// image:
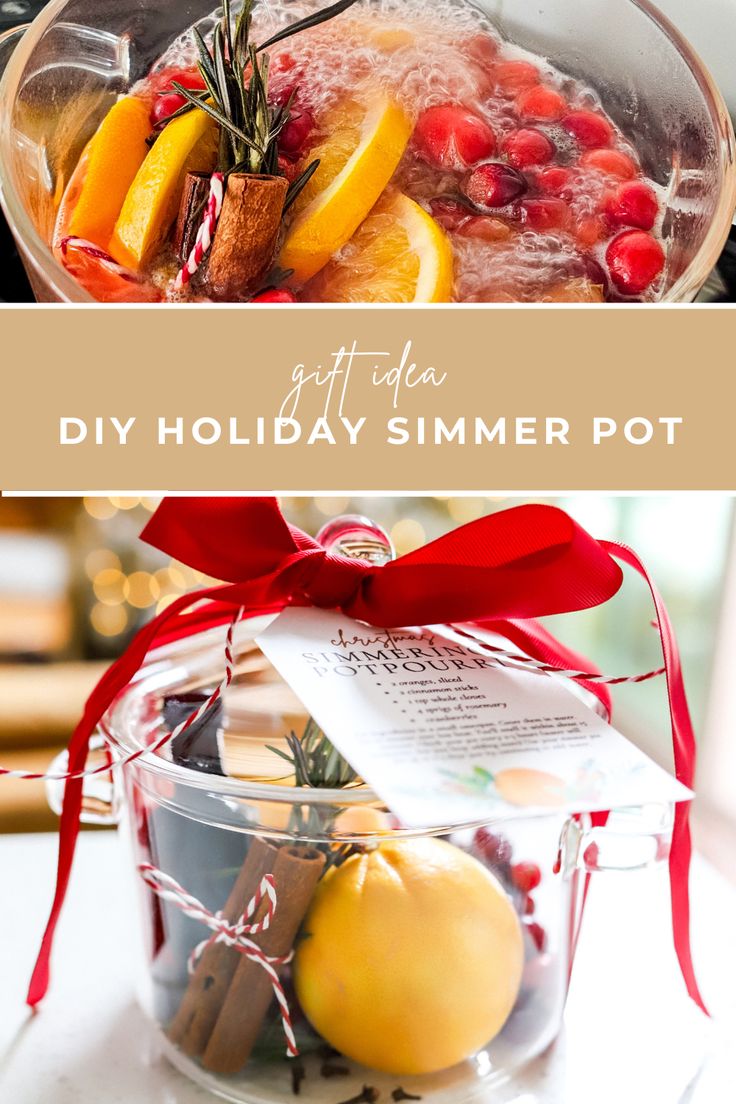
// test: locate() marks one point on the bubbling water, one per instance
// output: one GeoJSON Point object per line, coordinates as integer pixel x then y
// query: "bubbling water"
{"type": "Point", "coordinates": [427, 54]}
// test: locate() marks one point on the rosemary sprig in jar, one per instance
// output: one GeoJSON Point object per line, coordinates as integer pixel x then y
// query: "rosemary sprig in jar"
{"type": "Point", "coordinates": [317, 764]}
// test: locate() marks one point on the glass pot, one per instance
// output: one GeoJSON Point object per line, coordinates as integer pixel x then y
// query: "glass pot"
{"type": "Point", "coordinates": [78, 55]}
{"type": "Point", "coordinates": [441, 976]}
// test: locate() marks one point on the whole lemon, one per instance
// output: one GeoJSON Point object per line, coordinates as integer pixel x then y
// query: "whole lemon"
{"type": "Point", "coordinates": [411, 958]}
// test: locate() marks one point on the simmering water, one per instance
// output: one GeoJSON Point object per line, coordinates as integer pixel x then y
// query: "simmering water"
{"type": "Point", "coordinates": [429, 53]}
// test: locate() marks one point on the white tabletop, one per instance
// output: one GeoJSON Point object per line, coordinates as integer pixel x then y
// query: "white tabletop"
{"type": "Point", "coordinates": [630, 1033]}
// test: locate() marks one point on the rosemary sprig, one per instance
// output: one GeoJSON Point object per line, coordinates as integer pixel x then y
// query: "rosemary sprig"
{"type": "Point", "coordinates": [316, 761]}
{"type": "Point", "coordinates": [317, 764]}
{"type": "Point", "coordinates": [235, 72]}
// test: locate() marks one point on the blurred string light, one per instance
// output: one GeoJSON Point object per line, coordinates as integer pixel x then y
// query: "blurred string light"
{"type": "Point", "coordinates": [101, 559]}
{"type": "Point", "coordinates": [141, 590]}
{"type": "Point", "coordinates": [406, 535]}
{"type": "Point", "coordinates": [331, 505]}
{"type": "Point", "coordinates": [108, 620]}
{"type": "Point", "coordinates": [109, 586]}
{"type": "Point", "coordinates": [101, 509]}
{"type": "Point", "coordinates": [462, 509]}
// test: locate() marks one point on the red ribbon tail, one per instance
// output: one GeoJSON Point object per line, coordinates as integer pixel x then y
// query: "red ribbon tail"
{"type": "Point", "coordinates": [680, 855]}
{"type": "Point", "coordinates": [683, 741]}
{"type": "Point", "coordinates": [68, 833]}
{"type": "Point", "coordinates": [115, 679]}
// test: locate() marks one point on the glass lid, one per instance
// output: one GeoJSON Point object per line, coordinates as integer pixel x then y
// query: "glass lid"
{"type": "Point", "coordinates": [259, 734]}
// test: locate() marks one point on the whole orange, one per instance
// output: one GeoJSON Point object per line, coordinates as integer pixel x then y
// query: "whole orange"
{"type": "Point", "coordinates": [411, 958]}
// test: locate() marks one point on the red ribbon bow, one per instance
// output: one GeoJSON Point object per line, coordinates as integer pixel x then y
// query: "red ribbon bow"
{"type": "Point", "coordinates": [500, 571]}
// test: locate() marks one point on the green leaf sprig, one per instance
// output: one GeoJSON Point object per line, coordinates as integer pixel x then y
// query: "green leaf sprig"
{"type": "Point", "coordinates": [316, 761]}
{"type": "Point", "coordinates": [235, 72]}
{"type": "Point", "coordinates": [317, 764]}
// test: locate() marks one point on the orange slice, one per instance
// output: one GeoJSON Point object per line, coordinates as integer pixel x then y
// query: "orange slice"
{"type": "Point", "coordinates": [398, 255]}
{"type": "Point", "coordinates": [357, 160]}
{"type": "Point", "coordinates": [188, 144]}
{"type": "Point", "coordinates": [116, 153]}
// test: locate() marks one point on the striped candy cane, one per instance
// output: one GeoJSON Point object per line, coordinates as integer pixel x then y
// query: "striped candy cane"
{"type": "Point", "coordinates": [66, 776]}
{"type": "Point", "coordinates": [92, 250]}
{"type": "Point", "coordinates": [235, 935]}
{"type": "Point", "coordinates": [206, 231]}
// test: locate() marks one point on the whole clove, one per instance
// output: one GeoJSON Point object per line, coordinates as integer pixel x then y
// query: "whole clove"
{"type": "Point", "coordinates": [298, 1073]}
{"type": "Point", "coordinates": [367, 1095]}
{"type": "Point", "coordinates": [401, 1094]}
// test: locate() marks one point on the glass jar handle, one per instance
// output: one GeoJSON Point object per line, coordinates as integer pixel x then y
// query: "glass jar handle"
{"type": "Point", "coordinates": [99, 799]}
{"type": "Point", "coordinates": [632, 839]}
{"type": "Point", "coordinates": [8, 41]}
{"type": "Point", "coordinates": [358, 538]}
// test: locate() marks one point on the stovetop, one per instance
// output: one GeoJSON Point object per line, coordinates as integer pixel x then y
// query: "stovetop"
{"type": "Point", "coordinates": [14, 286]}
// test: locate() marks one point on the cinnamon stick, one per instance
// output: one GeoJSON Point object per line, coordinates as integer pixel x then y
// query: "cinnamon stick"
{"type": "Point", "coordinates": [191, 211]}
{"type": "Point", "coordinates": [296, 873]}
{"type": "Point", "coordinates": [246, 237]}
{"type": "Point", "coordinates": [192, 1025]}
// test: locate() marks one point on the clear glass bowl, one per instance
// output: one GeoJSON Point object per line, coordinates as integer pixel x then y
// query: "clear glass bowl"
{"type": "Point", "coordinates": [203, 829]}
{"type": "Point", "coordinates": [78, 55]}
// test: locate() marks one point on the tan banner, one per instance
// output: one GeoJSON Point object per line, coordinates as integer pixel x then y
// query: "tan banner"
{"type": "Point", "coordinates": [367, 399]}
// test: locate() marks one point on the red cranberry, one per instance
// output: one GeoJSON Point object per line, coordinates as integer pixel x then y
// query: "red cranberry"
{"type": "Point", "coordinates": [554, 181]}
{"type": "Point", "coordinates": [529, 906]}
{"type": "Point", "coordinates": [635, 260]}
{"type": "Point", "coordinates": [545, 214]}
{"type": "Point", "coordinates": [512, 76]}
{"type": "Point", "coordinates": [525, 148]}
{"type": "Point", "coordinates": [279, 93]}
{"type": "Point", "coordinates": [164, 106]}
{"type": "Point", "coordinates": [541, 103]}
{"type": "Point", "coordinates": [495, 848]}
{"type": "Point", "coordinates": [633, 203]}
{"type": "Point", "coordinates": [296, 132]}
{"type": "Point", "coordinates": [538, 934]}
{"type": "Point", "coordinates": [610, 161]}
{"type": "Point", "coordinates": [187, 78]}
{"type": "Point", "coordinates": [453, 137]}
{"type": "Point", "coordinates": [526, 876]}
{"type": "Point", "coordinates": [494, 185]}
{"type": "Point", "coordinates": [588, 128]}
{"type": "Point", "coordinates": [275, 295]}
{"type": "Point", "coordinates": [485, 839]}
{"type": "Point", "coordinates": [448, 212]}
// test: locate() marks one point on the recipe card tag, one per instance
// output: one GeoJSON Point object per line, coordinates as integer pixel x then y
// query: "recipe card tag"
{"type": "Point", "coordinates": [443, 734]}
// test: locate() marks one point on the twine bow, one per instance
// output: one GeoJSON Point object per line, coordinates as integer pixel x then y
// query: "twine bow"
{"type": "Point", "coordinates": [498, 573]}
{"type": "Point", "coordinates": [236, 934]}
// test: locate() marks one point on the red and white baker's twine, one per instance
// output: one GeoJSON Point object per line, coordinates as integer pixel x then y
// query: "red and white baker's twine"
{"type": "Point", "coordinates": [235, 934]}
{"type": "Point", "coordinates": [469, 640]}
{"type": "Point", "coordinates": [506, 658]}
{"type": "Point", "coordinates": [206, 231]}
{"type": "Point", "coordinates": [92, 250]}
{"type": "Point", "coordinates": [67, 776]}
